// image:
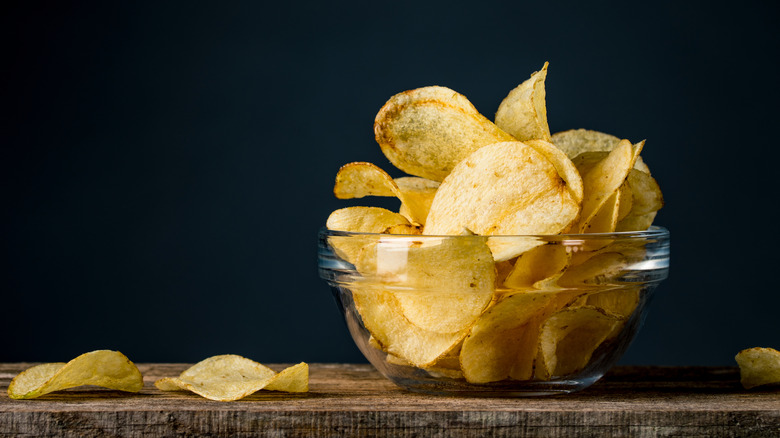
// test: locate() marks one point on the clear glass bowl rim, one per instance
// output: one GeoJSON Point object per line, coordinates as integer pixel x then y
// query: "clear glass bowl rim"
{"type": "Point", "coordinates": [654, 232]}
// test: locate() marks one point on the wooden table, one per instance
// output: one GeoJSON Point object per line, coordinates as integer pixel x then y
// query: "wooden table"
{"type": "Point", "coordinates": [354, 400]}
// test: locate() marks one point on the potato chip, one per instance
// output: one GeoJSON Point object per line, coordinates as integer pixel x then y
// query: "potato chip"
{"type": "Point", "coordinates": [503, 188]}
{"type": "Point", "coordinates": [442, 284]}
{"type": "Point", "coordinates": [416, 197]}
{"type": "Point", "coordinates": [758, 366]}
{"type": "Point", "coordinates": [383, 318]}
{"type": "Point", "coordinates": [427, 131]}
{"type": "Point", "coordinates": [621, 302]}
{"type": "Point", "coordinates": [538, 267]}
{"type": "Point", "coordinates": [230, 377]}
{"type": "Point", "coordinates": [599, 269]}
{"type": "Point", "coordinates": [405, 229]}
{"type": "Point", "coordinates": [360, 179]}
{"type": "Point", "coordinates": [565, 167]}
{"type": "Point", "coordinates": [577, 141]}
{"type": "Point", "coordinates": [503, 342]}
{"type": "Point", "coordinates": [359, 220]}
{"type": "Point", "coordinates": [568, 339]}
{"type": "Point", "coordinates": [106, 368]}
{"type": "Point", "coordinates": [523, 113]}
{"type": "Point", "coordinates": [605, 178]}
{"type": "Point", "coordinates": [495, 342]}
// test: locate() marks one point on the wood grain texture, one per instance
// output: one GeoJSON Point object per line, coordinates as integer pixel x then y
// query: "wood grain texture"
{"type": "Point", "coordinates": [354, 400]}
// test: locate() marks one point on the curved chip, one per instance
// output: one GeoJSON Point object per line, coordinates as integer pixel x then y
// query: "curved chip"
{"type": "Point", "coordinates": [523, 113]}
{"type": "Point", "coordinates": [605, 178]}
{"type": "Point", "coordinates": [383, 318]}
{"type": "Point", "coordinates": [503, 342]}
{"type": "Point", "coordinates": [565, 167]}
{"type": "Point", "coordinates": [569, 337]}
{"type": "Point", "coordinates": [230, 377]}
{"type": "Point", "coordinates": [758, 366]}
{"type": "Point", "coordinates": [105, 368]}
{"type": "Point", "coordinates": [359, 220]}
{"type": "Point", "coordinates": [577, 141]}
{"type": "Point", "coordinates": [427, 131]}
{"type": "Point", "coordinates": [505, 188]}
{"type": "Point", "coordinates": [538, 267]}
{"type": "Point", "coordinates": [440, 284]}
{"type": "Point", "coordinates": [360, 179]}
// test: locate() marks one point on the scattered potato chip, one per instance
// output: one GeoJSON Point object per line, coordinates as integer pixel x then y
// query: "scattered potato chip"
{"type": "Point", "coordinates": [503, 188]}
{"type": "Point", "coordinates": [758, 366]}
{"type": "Point", "coordinates": [577, 141]}
{"type": "Point", "coordinates": [568, 339]}
{"type": "Point", "coordinates": [427, 131]}
{"type": "Point", "coordinates": [106, 368]}
{"type": "Point", "coordinates": [523, 113]}
{"type": "Point", "coordinates": [230, 377]}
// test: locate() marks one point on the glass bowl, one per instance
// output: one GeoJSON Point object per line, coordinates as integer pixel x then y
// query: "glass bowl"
{"type": "Point", "coordinates": [436, 314]}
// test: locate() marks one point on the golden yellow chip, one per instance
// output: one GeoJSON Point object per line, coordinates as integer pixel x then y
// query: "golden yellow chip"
{"type": "Point", "coordinates": [360, 179]}
{"type": "Point", "coordinates": [504, 340]}
{"type": "Point", "coordinates": [359, 220]}
{"type": "Point", "coordinates": [230, 377]}
{"type": "Point", "coordinates": [538, 268]}
{"type": "Point", "coordinates": [759, 366]}
{"type": "Point", "coordinates": [621, 302]}
{"type": "Point", "coordinates": [503, 188]}
{"type": "Point", "coordinates": [569, 337]}
{"type": "Point", "coordinates": [405, 229]}
{"type": "Point", "coordinates": [605, 178]}
{"type": "Point", "coordinates": [577, 141]}
{"type": "Point", "coordinates": [565, 167]}
{"type": "Point", "coordinates": [440, 284]}
{"type": "Point", "coordinates": [599, 269]}
{"type": "Point", "coordinates": [383, 318]}
{"type": "Point", "coordinates": [106, 368]}
{"type": "Point", "coordinates": [427, 131]}
{"type": "Point", "coordinates": [523, 113]}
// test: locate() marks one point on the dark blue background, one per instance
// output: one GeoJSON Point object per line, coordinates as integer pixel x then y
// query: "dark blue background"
{"type": "Point", "coordinates": [166, 167]}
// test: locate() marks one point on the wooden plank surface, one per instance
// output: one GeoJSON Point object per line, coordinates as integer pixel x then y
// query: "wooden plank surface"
{"type": "Point", "coordinates": [354, 400]}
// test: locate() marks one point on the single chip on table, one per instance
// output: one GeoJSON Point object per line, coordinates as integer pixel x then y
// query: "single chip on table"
{"type": "Point", "coordinates": [427, 131]}
{"type": "Point", "coordinates": [105, 368]}
{"type": "Point", "coordinates": [758, 366]}
{"type": "Point", "coordinates": [523, 113]}
{"type": "Point", "coordinates": [505, 188]}
{"type": "Point", "coordinates": [569, 337]}
{"type": "Point", "coordinates": [230, 377]}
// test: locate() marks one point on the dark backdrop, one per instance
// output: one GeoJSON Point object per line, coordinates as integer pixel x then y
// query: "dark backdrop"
{"type": "Point", "coordinates": [166, 166]}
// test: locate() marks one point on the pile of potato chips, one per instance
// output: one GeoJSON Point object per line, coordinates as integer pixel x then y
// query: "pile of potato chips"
{"type": "Point", "coordinates": [495, 302]}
